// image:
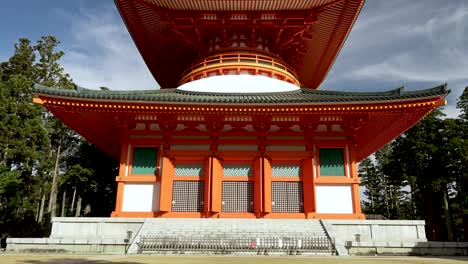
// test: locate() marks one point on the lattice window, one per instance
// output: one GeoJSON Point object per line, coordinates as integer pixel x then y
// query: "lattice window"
{"type": "Point", "coordinates": [189, 170]}
{"type": "Point", "coordinates": [238, 169]}
{"type": "Point", "coordinates": [237, 196]}
{"type": "Point", "coordinates": [287, 197]}
{"type": "Point", "coordinates": [187, 196]}
{"type": "Point", "coordinates": [331, 162]}
{"type": "Point", "coordinates": [286, 170]}
{"type": "Point", "coordinates": [144, 160]}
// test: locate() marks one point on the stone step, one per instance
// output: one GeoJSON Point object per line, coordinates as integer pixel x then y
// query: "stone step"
{"type": "Point", "coordinates": [233, 229]}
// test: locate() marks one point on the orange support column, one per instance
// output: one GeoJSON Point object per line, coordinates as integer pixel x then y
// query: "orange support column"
{"type": "Point", "coordinates": [216, 184]}
{"type": "Point", "coordinates": [308, 185]}
{"type": "Point", "coordinates": [356, 198]}
{"type": "Point", "coordinates": [124, 150]}
{"type": "Point", "coordinates": [355, 185]}
{"type": "Point", "coordinates": [258, 186]}
{"type": "Point", "coordinates": [167, 177]}
{"type": "Point", "coordinates": [266, 185]}
{"type": "Point", "coordinates": [207, 179]}
{"type": "Point", "coordinates": [119, 200]}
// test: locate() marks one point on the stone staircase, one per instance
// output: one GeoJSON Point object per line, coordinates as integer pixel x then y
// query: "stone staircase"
{"type": "Point", "coordinates": [261, 236]}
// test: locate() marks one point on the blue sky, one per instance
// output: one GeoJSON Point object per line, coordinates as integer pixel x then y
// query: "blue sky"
{"type": "Point", "coordinates": [417, 44]}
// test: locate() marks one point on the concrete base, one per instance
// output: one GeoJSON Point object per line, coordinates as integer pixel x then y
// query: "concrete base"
{"type": "Point", "coordinates": [82, 235]}
{"type": "Point", "coordinates": [374, 231]}
{"type": "Point", "coordinates": [52, 245]}
{"type": "Point", "coordinates": [397, 248]}
{"type": "Point", "coordinates": [353, 237]}
{"type": "Point", "coordinates": [95, 227]}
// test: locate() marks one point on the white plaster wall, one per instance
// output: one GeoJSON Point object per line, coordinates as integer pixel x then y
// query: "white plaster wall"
{"type": "Point", "coordinates": [238, 84]}
{"type": "Point", "coordinates": [334, 199]}
{"type": "Point", "coordinates": [141, 198]}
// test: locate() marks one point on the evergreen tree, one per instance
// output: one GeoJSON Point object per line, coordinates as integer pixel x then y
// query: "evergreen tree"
{"type": "Point", "coordinates": [39, 155]}
{"type": "Point", "coordinates": [23, 139]}
{"type": "Point", "coordinates": [422, 154]}
{"type": "Point", "coordinates": [370, 180]}
{"type": "Point", "coordinates": [458, 145]}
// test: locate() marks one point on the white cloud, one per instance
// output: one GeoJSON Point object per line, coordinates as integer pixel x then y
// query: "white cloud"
{"type": "Point", "coordinates": [410, 43]}
{"type": "Point", "coordinates": [452, 65]}
{"type": "Point", "coordinates": [102, 53]}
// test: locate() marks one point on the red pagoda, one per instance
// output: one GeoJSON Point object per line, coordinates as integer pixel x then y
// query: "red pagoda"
{"type": "Point", "coordinates": [239, 128]}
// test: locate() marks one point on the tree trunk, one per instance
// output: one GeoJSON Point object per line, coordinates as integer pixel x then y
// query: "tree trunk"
{"type": "Point", "coordinates": [41, 211]}
{"type": "Point", "coordinates": [38, 208]}
{"type": "Point", "coordinates": [396, 201]}
{"type": "Point", "coordinates": [78, 207]}
{"type": "Point", "coordinates": [427, 201]}
{"type": "Point", "coordinates": [64, 198]}
{"type": "Point", "coordinates": [413, 204]}
{"type": "Point", "coordinates": [461, 207]}
{"type": "Point", "coordinates": [53, 191]}
{"type": "Point", "coordinates": [73, 200]}
{"type": "Point", "coordinates": [448, 223]}
{"type": "Point", "coordinates": [387, 207]}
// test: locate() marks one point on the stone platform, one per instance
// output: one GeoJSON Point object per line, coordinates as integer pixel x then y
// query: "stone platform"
{"type": "Point", "coordinates": [122, 235]}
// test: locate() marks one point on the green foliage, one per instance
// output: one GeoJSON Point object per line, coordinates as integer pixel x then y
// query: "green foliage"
{"type": "Point", "coordinates": [462, 104]}
{"type": "Point", "coordinates": [93, 175]}
{"type": "Point", "coordinates": [370, 180]}
{"type": "Point", "coordinates": [423, 174]}
{"type": "Point", "coordinates": [10, 181]}
{"type": "Point", "coordinates": [30, 140]}
{"type": "Point", "coordinates": [385, 194]}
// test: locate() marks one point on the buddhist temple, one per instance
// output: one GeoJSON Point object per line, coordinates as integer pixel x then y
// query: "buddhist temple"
{"type": "Point", "coordinates": [239, 127]}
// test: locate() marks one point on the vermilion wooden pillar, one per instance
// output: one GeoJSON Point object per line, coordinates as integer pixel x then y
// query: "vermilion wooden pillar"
{"type": "Point", "coordinates": [207, 177]}
{"type": "Point", "coordinates": [258, 186]}
{"type": "Point", "coordinates": [308, 186]}
{"type": "Point", "coordinates": [266, 185]}
{"type": "Point", "coordinates": [122, 175]}
{"type": "Point", "coordinates": [216, 184]}
{"type": "Point", "coordinates": [355, 185]}
{"type": "Point", "coordinates": [167, 177]}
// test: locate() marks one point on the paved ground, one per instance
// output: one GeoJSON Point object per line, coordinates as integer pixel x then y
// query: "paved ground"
{"type": "Point", "coordinates": [119, 259]}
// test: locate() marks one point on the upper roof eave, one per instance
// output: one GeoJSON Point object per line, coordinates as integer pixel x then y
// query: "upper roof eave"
{"type": "Point", "coordinates": [166, 56]}
{"type": "Point", "coordinates": [235, 5]}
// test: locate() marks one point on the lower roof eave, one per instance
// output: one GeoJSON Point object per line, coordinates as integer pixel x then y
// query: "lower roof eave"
{"type": "Point", "coordinates": [102, 120]}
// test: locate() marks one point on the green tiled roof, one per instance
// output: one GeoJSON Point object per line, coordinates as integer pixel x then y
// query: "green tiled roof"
{"type": "Point", "coordinates": [293, 97]}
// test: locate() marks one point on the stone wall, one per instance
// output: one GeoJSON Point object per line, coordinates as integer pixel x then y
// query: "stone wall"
{"type": "Point", "coordinates": [398, 231]}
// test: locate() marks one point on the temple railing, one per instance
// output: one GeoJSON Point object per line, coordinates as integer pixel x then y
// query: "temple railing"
{"type": "Point", "coordinates": [225, 245]}
{"type": "Point", "coordinates": [239, 63]}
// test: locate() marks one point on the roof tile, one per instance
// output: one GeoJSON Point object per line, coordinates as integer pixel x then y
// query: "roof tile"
{"type": "Point", "coordinates": [300, 96]}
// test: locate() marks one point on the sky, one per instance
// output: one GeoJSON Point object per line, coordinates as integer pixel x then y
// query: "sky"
{"type": "Point", "coordinates": [417, 44]}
